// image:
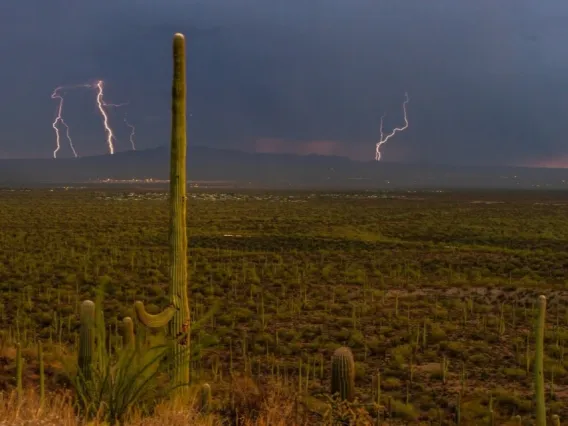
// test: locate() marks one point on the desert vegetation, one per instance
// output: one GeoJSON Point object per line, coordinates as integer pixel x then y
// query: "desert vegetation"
{"type": "Point", "coordinates": [299, 308]}
{"type": "Point", "coordinates": [438, 295]}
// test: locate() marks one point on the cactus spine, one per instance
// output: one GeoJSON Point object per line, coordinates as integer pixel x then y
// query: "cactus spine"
{"type": "Point", "coordinates": [539, 363]}
{"type": "Point", "coordinates": [177, 314]}
{"type": "Point", "coordinates": [343, 374]}
{"type": "Point", "coordinates": [87, 339]}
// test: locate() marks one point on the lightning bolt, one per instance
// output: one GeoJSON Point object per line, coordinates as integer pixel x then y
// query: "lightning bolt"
{"type": "Point", "coordinates": [101, 104]}
{"type": "Point", "coordinates": [59, 119]}
{"type": "Point", "coordinates": [384, 139]}
{"type": "Point", "coordinates": [132, 132]}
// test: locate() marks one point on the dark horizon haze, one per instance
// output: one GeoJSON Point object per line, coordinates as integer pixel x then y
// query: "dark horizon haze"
{"type": "Point", "coordinates": [487, 80]}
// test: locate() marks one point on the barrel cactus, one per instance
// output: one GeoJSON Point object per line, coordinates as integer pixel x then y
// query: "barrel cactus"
{"type": "Point", "coordinates": [343, 374]}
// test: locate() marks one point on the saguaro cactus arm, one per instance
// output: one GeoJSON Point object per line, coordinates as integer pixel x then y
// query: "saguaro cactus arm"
{"type": "Point", "coordinates": [154, 321]}
{"type": "Point", "coordinates": [128, 331]}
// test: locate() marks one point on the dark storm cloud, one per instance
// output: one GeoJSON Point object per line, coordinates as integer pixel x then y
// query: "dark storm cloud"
{"type": "Point", "coordinates": [486, 79]}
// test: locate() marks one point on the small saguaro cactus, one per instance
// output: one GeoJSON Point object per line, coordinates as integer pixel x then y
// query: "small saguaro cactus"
{"type": "Point", "coordinates": [343, 374]}
{"type": "Point", "coordinates": [128, 332]}
{"type": "Point", "coordinates": [539, 362]}
{"type": "Point", "coordinates": [86, 339]}
{"type": "Point", "coordinates": [205, 398]}
{"type": "Point", "coordinates": [41, 373]}
{"type": "Point", "coordinates": [555, 420]}
{"type": "Point", "coordinates": [19, 371]}
{"type": "Point", "coordinates": [177, 315]}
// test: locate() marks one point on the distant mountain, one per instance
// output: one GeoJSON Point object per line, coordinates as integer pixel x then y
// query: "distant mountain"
{"type": "Point", "coordinates": [275, 170]}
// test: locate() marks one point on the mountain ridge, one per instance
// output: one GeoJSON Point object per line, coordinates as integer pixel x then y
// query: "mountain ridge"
{"type": "Point", "coordinates": [272, 169]}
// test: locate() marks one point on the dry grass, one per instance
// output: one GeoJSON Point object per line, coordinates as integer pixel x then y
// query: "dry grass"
{"type": "Point", "coordinates": [268, 408]}
{"type": "Point", "coordinates": [57, 410]}
{"type": "Point", "coordinates": [253, 403]}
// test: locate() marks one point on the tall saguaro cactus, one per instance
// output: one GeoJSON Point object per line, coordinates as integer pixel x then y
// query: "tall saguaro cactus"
{"type": "Point", "coordinates": [539, 363]}
{"type": "Point", "coordinates": [177, 315]}
{"type": "Point", "coordinates": [87, 340]}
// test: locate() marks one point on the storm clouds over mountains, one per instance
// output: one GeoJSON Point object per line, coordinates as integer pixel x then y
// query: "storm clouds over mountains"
{"type": "Point", "coordinates": [486, 79]}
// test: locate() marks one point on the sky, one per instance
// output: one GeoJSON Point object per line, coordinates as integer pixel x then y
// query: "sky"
{"type": "Point", "coordinates": [487, 80]}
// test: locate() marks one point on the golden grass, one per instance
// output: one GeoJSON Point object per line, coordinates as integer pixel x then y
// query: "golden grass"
{"type": "Point", "coordinates": [255, 404]}
{"type": "Point", "coordinates": [274, 409]}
